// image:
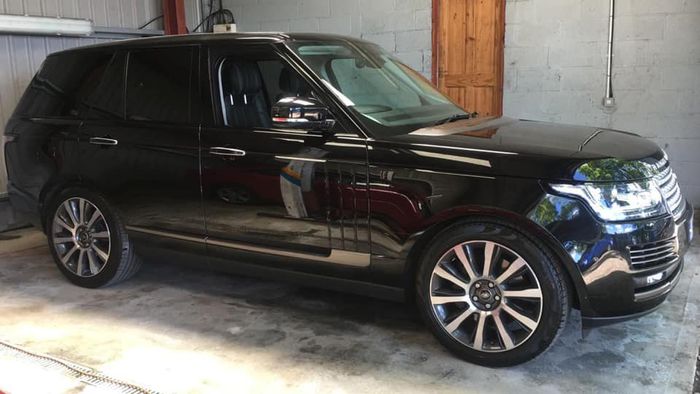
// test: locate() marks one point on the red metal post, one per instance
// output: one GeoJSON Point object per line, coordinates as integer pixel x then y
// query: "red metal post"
{"type": "Point", "coordinates": [174, 17]}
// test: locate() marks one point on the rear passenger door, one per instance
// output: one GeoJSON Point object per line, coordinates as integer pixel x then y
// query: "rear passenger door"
{"type": "Point", "coordinates": [140, 142]}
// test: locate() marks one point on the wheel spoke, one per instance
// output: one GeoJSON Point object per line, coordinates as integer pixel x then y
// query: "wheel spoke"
{"type": "Point", "coordinates": [489, 249]}
{"type": "Point", "coordinates": [512, 269]}
{"type": "Point", "coordinates": [102, 255]}
{"type": "Point", "coordinates": [94, 268]}
{"type": "Point", "coordinates": [102, 234]}
{"type": "Point", "coordinates": [440, 300]}
{"type": "Point", "coordinates": [95, 215]}
{"type": "Point", "coordinates": [526, 321]}
{"type": "Point", "coordinates": [71, 215]}
{"type": "Point", "coordinates": [63, 224]}
{"type": "Point", "coordinates": [81, 262]}
{"type": "Point", "coordinates": [68, 255]}
{"type": "Point", "coordinates": [502, 331]}
{"type": "Point", "coordinates": [62, 240]}
{"type": "Point", "coordinates": [454, 324]}
{"type": "Point", "coordinates": [441, 272]}
{"type": "Point", "coordinates": [479, 334]}
{"type": "Point", "coordinates": [466, 262]}
{"type": "Point", "coordinates": [527, 293]}
{"type": "Point", "coordinates": [81, 210]}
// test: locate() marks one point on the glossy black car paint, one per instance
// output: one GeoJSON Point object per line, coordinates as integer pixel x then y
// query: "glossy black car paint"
{"type": "Point", "coordinates": [379, 199]}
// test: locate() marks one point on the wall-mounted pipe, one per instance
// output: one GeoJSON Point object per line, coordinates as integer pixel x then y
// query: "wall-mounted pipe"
{"type": "Point", "coordinates": [609, 99]}
{"type": "Point", "coordinates": [46, 26]}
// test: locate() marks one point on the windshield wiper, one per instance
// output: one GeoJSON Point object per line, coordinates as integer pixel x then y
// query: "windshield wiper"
{"type": "Point", "coordinates": [454, 118]}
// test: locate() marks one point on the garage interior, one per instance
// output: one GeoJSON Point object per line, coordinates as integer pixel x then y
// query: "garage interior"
{"type": "Point", "coordinates": [179, 329]}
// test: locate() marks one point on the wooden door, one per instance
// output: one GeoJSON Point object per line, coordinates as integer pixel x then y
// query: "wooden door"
{"type": "Point", "coordinates": [468, 53]}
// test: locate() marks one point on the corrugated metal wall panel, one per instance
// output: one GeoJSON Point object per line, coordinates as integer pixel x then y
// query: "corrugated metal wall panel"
{"type": "Point", "coordinates": [21, 56]}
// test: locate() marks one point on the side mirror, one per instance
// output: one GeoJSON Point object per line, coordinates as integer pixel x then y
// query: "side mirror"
{"type": "Point", "coordinates": [302, 113]}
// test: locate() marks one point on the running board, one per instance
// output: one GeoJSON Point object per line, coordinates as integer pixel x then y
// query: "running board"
{"type": "Point", "coordinates": [339, 257]}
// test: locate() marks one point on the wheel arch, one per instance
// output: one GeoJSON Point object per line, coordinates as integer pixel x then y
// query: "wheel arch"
{"type": "Point", "coordinates": [53, 189]}
{"type": "Point", "coordinates": [573, 276]}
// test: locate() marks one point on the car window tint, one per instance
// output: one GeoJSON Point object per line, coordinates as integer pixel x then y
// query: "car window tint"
{"type": "Point", "coordinates": [249, 87]}
{"type": "Point", "coordinates": [107, 101]}
{"type": "Point", "coordinates": [63, 85]}
{"type": "Point", "coordinates": [158, 85]}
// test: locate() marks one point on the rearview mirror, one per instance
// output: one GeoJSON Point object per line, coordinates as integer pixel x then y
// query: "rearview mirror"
{"type": "Point", "coordinates": [302, 113]}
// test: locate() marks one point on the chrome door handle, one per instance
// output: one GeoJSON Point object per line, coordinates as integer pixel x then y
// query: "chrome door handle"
{"type": "Point", "coordinates": [103, 141]}
{"type": "Point", "coordinates": [221, 151]}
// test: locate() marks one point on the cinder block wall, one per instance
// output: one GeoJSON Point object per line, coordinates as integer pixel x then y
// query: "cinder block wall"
{"type": "Point", "coordinates": [403, 27]}
{"type": "Point", "coordinates": [555, 59]}
{"type": "Point", "coordinates": [555, 70]}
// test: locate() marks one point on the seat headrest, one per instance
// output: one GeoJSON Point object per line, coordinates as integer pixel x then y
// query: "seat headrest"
{"type": "Point", "coordinates": [291, 82]}
{"type": "Point", "coordinates": [243, 77]}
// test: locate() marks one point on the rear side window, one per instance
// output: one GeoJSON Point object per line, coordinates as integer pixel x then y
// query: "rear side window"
{"type": "Point", "coordinates": [64, 85]}
{"type": "Point", "coordinates": [107, 101]}
{"type": "Point", "coordinates": [159, 84]}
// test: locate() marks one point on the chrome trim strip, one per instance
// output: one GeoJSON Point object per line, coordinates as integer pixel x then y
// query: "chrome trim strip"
{"type": "Point", "coordinates": [181, 237]}
{"type": "Point", "coordinates": [659, 291]}
{"type": "Point", "coordinates": [300, 159]}
{"type": "Point", "coordinates": [340, 257]}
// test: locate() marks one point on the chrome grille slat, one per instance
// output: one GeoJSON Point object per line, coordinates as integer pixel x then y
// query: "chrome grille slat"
{"type": "Point", "coordinates": [653, 254]}
{"type": "Point", "coordinates": [668, 184]}
{"type": "Point", "coordinates": [653, 259]}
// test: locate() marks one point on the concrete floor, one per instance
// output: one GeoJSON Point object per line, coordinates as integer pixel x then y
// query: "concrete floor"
{"type": "Point", "coordinates": [175, 329]}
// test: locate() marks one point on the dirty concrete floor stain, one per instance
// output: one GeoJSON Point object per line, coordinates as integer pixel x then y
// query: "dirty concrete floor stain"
{"type": "Point", "coordinates": [177, 329]}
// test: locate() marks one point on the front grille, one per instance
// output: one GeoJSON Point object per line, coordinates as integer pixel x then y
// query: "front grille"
{"type": "Point", "coordinates": [668, 184]}
{"type": "Point", "coordinates": [654, 254]}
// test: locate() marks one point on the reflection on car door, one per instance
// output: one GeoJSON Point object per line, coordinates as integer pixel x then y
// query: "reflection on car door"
{"type": "Point", "coordinates": [295, 194]}
{"type": "Point", "coordinates": [141, 150]}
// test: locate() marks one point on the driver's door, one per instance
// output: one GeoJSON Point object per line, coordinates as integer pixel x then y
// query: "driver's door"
{"type": "Point", "coordinates": [297, 195]}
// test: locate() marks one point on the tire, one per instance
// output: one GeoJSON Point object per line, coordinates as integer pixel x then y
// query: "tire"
{"type": "Point", "coordinates": [518, 310]}
{"type": "Point", "coordinates": [95, 252]}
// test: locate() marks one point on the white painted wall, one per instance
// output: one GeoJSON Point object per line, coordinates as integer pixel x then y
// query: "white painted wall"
{"type": "Point", "coordinates": [555, 70]}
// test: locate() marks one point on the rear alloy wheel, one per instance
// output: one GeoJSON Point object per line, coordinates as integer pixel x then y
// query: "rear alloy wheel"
{"type": "Point", "coordinates": [491, 294]}
{"type": "Point", "coordinates": [88, 240]}
{"type": "Point", "coordinates": [81, 237]}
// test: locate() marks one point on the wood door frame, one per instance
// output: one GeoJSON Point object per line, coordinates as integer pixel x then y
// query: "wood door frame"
{"type": "Point", "coordinates": [436, 43]}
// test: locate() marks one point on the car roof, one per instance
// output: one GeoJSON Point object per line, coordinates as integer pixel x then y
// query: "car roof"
{"type": "Point", "coordinates": [210, 38]}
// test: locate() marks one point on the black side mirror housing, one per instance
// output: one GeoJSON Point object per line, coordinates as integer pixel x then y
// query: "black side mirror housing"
{"type": "Point", "coordinates": [301, 113]}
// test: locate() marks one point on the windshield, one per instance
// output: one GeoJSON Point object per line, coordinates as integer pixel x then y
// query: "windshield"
{"type": "Point", "coordinates": [388, 97]}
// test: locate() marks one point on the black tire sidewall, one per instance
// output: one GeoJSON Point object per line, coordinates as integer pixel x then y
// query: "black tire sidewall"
{"type": "Point", "coordinates": [117, 237]}
{"type": "Point", "coordinates": [555, 303]}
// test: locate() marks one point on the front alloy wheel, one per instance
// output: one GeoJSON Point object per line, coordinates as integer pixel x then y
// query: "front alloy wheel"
{"type": "Point", "coordinates": [486, 296]}
{"type": "Point", "coordinates": [491, 293]}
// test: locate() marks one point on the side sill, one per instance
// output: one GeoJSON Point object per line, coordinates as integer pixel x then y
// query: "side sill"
{"type": "Point", "coordinates": [340, 257]}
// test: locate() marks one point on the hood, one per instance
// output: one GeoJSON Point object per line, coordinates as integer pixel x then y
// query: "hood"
{"type": "Point", "coordinates": [530, 149]}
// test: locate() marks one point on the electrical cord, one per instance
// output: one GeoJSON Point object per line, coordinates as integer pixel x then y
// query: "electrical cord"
{"type": "Point", "coordinates": [220, 16]}
{"type": "Point", "coordinates": [150, 21]}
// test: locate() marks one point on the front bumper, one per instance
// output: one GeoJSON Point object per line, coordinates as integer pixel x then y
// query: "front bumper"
{"type": "Point", "coordinates": [641, 266]}
{"type": "Point", "coordinates": [627, 269]}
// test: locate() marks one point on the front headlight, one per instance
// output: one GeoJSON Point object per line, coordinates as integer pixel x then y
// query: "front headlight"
{"type": "Point", "coordinates": [618, 201]}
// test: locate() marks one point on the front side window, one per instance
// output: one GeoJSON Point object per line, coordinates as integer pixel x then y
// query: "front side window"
{"type": "Point", "coordinates": [388, 96]}
{"type": "Point", "coordinates": [250, 85]}
{"type": "Point", "coordinates": [159, 84]}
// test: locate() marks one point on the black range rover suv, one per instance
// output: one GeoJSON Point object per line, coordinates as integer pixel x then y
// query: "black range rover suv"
{"type": "Point", "coordinates": [323, 160]}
